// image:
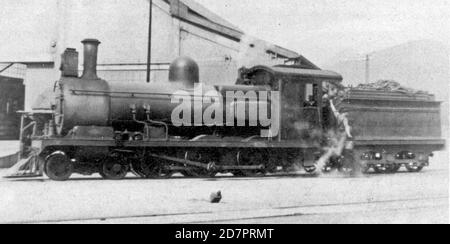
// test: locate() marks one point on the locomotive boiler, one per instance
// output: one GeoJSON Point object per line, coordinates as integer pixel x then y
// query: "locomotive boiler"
{"type": "Point", "coordinates": [91, 101]}
{"type": "Point", "coordinates": [274, 119]}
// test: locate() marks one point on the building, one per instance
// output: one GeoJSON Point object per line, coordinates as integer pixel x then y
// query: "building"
{"type": "Point", "coordinates": [12, 98]}
{"type": "Point", "coordinates": [37, 32]}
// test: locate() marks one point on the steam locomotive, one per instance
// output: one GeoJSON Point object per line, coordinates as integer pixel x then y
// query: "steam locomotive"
{"type": "Point", "coordinates": [273, 121]}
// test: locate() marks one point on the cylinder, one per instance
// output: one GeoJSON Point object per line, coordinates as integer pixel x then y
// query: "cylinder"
{"type": "Point", "coordinates": [90, 59]}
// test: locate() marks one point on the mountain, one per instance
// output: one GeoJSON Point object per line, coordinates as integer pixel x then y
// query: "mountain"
{"type": "Point", "coordinates": [422, 65]}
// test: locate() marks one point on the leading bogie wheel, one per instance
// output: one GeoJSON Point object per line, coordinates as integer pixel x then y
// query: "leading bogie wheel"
{"type": "Point", "coordinates": [59, 167]}
{"type": "Point", "coordinates": [114, 169]}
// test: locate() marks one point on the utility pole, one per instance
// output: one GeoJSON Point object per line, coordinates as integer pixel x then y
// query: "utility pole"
{"type": "Point", "coordinates": [149, 54]}
{"type": "Point", "coordinates": [367, 69]}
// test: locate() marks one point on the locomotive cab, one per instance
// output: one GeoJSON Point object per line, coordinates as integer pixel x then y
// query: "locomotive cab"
{"type": "Point", "coordinates": [301, 94]}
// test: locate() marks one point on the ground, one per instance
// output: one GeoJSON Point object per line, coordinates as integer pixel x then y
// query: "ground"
{"type": "Point", "coordinates": [8, 148]}
{"type": "Point", "coordinates": [399, 198]}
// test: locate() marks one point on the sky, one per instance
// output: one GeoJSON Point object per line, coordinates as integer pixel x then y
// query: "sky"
{"type": "Point", "coordinates": [320, 29]}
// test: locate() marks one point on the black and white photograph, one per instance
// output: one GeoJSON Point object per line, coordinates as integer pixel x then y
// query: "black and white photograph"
{"type": "Point", "coordinates": [224, 112]}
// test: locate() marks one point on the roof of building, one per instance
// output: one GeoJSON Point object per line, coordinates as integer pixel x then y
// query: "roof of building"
{"type": "Point", "coordinates": [196, 14]}
{"type": "Point", "coordinates": [12, 71]}
{"type": "Point", "coordinates": [210, 15]}
{"type": "Point", "coordinates": [9, 79]}
{"type": "Point", "coordinates": [283, 51]}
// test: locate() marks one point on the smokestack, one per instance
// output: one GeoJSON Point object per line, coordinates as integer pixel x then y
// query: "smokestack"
{"type": "Point", "coordinates": [90, 59]}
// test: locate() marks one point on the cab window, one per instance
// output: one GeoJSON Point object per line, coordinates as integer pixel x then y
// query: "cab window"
{"type": "Point", "coordinates": [311, 95]}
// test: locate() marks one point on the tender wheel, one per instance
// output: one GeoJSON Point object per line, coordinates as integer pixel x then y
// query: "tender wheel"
{"type": "Point", "coordinates": [348, 163]}
{"type": "Point", "coordinates": [393, 168]}
{"type": "Point", "coordinates": [414, 167]}
{"type": "Point", "coordinates": [365, 168]}
{"type": "Point", "coordinates": [380, 169]}
{"type": "Point", "coordinates": [114, 169]}
{"type": "Point", "coordinates": [58, 167]}
{"type": "Point", "coordinates": [347, 170]}
{"type": "Point", "coordinates": [387, 169]}
{"type": "Point", "coordinates": [363, 161]}
{"type": "Point", "coordinates": [327, 169]}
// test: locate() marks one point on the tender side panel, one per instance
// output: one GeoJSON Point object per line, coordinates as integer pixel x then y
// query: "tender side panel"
{"type": "Point", "coordinates": [389, 119]}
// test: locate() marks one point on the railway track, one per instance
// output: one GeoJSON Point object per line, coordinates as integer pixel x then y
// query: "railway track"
{"type": "Point", "coordinates": [264, 215]}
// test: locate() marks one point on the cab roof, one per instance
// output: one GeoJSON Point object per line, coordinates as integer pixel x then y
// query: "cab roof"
{"type": "Point", "coordinates": [285, 71]}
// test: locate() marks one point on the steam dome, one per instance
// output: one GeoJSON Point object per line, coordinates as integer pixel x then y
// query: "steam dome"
{"type": "Point", "coordinates": [184, 69]}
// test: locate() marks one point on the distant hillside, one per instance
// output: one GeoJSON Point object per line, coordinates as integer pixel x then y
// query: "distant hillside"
{"type": "Point", "coordinates": [420, 65]}
{"type": "Point", "coordinates": [423, 65]}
